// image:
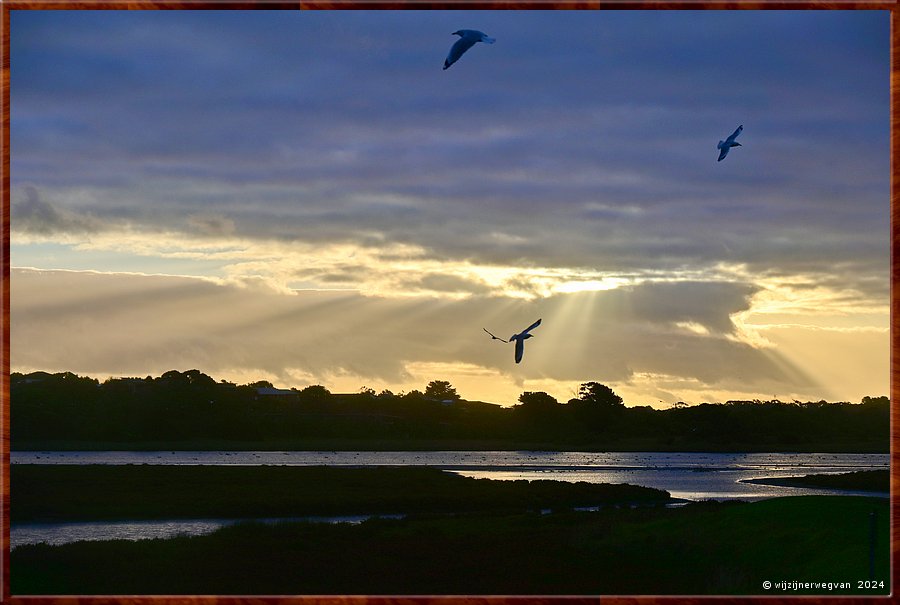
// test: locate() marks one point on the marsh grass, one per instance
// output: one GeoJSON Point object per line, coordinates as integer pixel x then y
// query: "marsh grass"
{"type": "Point", "coordinates": [866, 481]}
{"type": "Point", "coordinates": [101, 492]}
{"type": "Point", "coordinates": [706, 548]}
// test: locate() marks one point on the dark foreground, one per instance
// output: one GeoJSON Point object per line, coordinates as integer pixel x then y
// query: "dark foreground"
{"type": "Point", "coordinates": [461, 536]}
{"type": "Point", "coordinates": [54, 493]}
{"type": "Point", "coordinates": [862, 481]}
{"type": "Point", "coordinates": [705, 548]}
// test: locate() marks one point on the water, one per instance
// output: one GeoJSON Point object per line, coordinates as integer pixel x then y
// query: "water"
{"type": "Point", "coordinates": [688, 475]}
{"type": "Point", "coordinates": [63, 533]}
{"type": "Point", "coordinates": [685, 475]}
{"type": "Point", "coordinates": [470, 459]}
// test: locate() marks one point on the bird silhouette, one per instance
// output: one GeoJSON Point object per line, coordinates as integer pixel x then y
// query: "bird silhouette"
{"type": "Point", "coordinates": [726, 145]}
{"type": "Point", "coordinates": [520, 339]}
{"type": "Point", "coordinates": [467, 39]}
{"type": "Point", "coordinates": [494, 337]}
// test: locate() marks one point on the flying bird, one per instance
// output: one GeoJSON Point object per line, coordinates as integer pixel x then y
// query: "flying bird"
{"type": "Point", "coordinates": [467, 39]}
{"type": "Point", "coordinates": [520, 339]}
{"type": "Point", "coordinates": [494, 337]}
{"type": "Point", "coordinates": [726, 145]}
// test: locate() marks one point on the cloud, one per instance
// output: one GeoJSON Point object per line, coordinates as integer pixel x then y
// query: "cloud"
{"type": "Point", "coordinates": [571, 165]}
{"type": "Point", "coordinates": [449, 284]}
{"type": "Point", "coordinates": [34, 215]}
{"type": "Point", "coordinates": [211, 224]}
{"type": "Point", "coordinates": [652, 240]}
{"type": "Point", "coordinates": [100, 323]}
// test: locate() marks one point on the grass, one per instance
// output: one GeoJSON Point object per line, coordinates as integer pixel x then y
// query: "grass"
{"type": "Point", "coordinates": [102, 492]}
{"type": "Point", "coordinates": [864, 481]}
{"type": "Point", "coordinates": [706, 548]}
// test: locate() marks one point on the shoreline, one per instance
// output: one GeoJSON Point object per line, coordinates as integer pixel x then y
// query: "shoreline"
{"type": "Point", "coordinates": [876, 482]}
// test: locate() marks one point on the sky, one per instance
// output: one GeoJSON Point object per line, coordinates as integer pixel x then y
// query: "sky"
{"type": "Point", "coordinates": [307, 197]}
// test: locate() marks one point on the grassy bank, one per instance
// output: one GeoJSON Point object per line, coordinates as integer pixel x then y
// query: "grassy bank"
{"type": "Point", "coordinates": [414, 444]}
{"type": "Point", "coordinates": [93, 492]}
{"type": "Point", "coordinates": [863, 481]}
{"type": "Point", "coordinates": [698, 549]}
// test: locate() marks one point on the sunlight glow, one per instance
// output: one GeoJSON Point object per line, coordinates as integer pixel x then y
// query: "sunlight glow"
{"type": "Point", "coordinates": [794, 321]}
{"type": "Point", "coordinates": [692, 326]}
{"type": "Point", "coordinates": [391, 270]}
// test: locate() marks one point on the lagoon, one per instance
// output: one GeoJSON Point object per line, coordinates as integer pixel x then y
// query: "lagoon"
{"type": "Point", "coordinates": [55, 534]}
{"type": "Point", "coordinates": [686, 475]}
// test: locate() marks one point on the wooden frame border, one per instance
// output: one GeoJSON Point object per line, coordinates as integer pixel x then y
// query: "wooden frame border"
{"type": "Point", "coordinates": [8, 5]}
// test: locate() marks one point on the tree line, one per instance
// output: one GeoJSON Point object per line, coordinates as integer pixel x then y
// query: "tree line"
{"type": "Point", "coordinates": [67, 410]}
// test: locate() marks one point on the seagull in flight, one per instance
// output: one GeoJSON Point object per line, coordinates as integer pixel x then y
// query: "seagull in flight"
{"type": "Point", "coordinates": [726, 145]}
{"type": "Point", "coordinates": [467, 39]}
{"type": "Point", "coordinates": [520, 339]}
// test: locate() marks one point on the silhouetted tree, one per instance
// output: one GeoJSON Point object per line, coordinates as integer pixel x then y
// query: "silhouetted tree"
{"type": "Point", "coordinates": [261, 384]}
{"type": "Point", "coordinates": [315, 392]}
{"type": "Point", "coordinates": [875, 400]}
{"type": "Point", "coordinates": [189, 405]}
{"type": "Point", "coordinates": [538, 400]}
{"type": "Point", "coordinates": [599, 394]}
{"type": "Point", "coordinates": [441, 390]}
{"type": "Point", "coordinates": [539, 416]}
{"type": "Point", "coordinates": [597, 408]}
{"type": "Point", "coordinates": [191, 378]}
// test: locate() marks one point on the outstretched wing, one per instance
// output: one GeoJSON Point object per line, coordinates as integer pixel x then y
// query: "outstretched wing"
{"type": "Point", "coordinates": [520, 348]}
{"type": "Point", "coordinates": [531, 327]}
{"type": "Point", "coordinates": [723, 152]}
{"type": "Point", "coordinates": [494, 337]}
{"type": "Point", "coordinates": [459, 47]}
{"type": "Point", "coordinates": [735, 134]}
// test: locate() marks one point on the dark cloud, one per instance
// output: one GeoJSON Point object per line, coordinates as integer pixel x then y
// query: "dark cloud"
{"type": "Point", "coordinates": [708, 304]}
{"type": "Point", "coordinates": [211, 224]}
{"type": "Point", "coordinates": [30, 213]}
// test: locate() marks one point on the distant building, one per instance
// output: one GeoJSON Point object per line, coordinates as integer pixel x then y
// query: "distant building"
{"type": "Point", "coordinates": [269, 391]}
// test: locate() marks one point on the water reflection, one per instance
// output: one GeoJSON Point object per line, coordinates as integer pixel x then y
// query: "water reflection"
{"type": "Point", "coordinates": [685, 475]}
{"type": "Point", "coordinates": [63, 533]}
{"type": "Point", "coordinates": [473, 460]}
{"type": "Point", "coordinates": [690, 475]}
{"type": "Point", "coordinates": [726, 484]}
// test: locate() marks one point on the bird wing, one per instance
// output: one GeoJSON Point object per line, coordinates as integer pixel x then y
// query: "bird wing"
{"type": "Point", "coordinates": [531, 327]}
{"type": "Point", "coordinates": [735, 134]}
{"type": "Point", "coordinates": [520, 348]}
{"type": "Point", "coordinates": [464, 43]}
{"type": "Point", "coordinates": [723, 152]}
{"type": "Point", "coordinates": [494, 337]}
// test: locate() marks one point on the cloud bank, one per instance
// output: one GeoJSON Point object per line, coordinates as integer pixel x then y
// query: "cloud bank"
{"type": "Point", "coordinates": [308, 195]}
{"type": "Point", "coordinates": [119, 324]}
